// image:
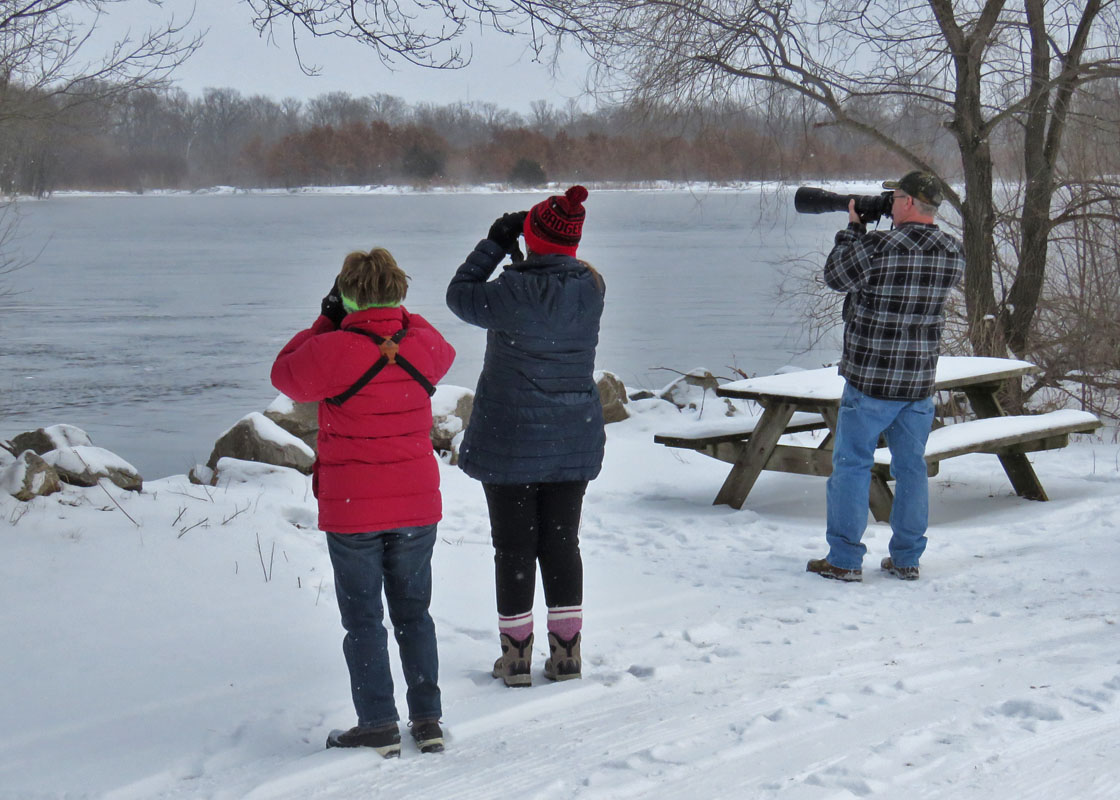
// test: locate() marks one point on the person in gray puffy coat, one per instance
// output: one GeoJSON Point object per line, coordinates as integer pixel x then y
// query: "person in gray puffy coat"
{"type": "Point", "coordinates": [535, 437]}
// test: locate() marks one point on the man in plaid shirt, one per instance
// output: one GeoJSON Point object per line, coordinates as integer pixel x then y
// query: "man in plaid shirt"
{"type": "Point", "coordinates": [897, 282]}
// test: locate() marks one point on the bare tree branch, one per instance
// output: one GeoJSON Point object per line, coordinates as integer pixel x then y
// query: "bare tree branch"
{"type": "Point", "coordinates": [423, 32]}
{"type": "Point", "coordinates": [1000, 76]}
{"type": "Point", "coordinates": [43, 49]}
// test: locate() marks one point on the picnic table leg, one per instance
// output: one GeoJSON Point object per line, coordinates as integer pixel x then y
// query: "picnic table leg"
{"type": "Point", "coordinates": [881, 499]}
{"type": "Point", "coordinates": [754, 455]}
{"type": "Point", "coordinates": [1022, 476]}
{"type": "Point", "coordinates": [831, 416]}
{"type": "Point", "coordinates": [1016, 465]}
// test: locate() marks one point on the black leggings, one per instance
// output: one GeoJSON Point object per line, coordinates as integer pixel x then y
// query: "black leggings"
{"type": "Point", "coordinates": [531, 522]}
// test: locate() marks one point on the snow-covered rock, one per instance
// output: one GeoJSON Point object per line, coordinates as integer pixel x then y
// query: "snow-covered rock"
{"type": "Point", "coordinates": [85, 465]}
{"type": "Point", "coordinates": [451, 411]}
{"type": "Point", "coordinates": [29, 476]}
{"type": "Point", "coordinates": [235, 471]}
{"type": "Point", "coordinates": [612, 394]}
{"type": "Point", "coordinates": [696, 390]}
{"type": "Point", "coordinates": [257, 438]}
{"type": "Point", "coordinates": [201, 475]}
{"type": "Point", "coordinates": [299, 419]}
{"type": "Point", "coordinates": [43, 440]}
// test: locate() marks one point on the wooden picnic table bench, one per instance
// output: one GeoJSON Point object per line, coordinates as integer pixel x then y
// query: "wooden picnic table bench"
{"type": "Point", "coordinates": [808, 400]}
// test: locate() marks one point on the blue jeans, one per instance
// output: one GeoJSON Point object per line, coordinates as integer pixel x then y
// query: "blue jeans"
{"type": "Point", "coordinates": [400, 559]}
{"type": "Point", "coordinates": [906, 425]}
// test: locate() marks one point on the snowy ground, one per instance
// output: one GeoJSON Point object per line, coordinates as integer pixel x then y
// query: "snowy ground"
{"type": "Point", "coordinates": [195, 651]}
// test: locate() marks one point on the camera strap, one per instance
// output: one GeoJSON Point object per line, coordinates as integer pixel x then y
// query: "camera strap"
{"type": "Point", "coordinates": [389, 355]}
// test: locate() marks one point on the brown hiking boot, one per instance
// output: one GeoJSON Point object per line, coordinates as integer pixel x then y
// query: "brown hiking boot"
{"type": "Point", "coordinates": [902, 573]}
{"type": "Point", "coordinates": [513, 666]}
{"type": "Point", "coordinates": [826, 570]}
{"type": "Point", "coordinates": [565, 663]}
{"type": "Point", "coordinates": [427, 734]}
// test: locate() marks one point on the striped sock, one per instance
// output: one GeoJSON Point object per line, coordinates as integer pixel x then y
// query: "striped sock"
{"type": "Point", "coordinates": [518, 627]}
{"type": "Point", "coordinates": [565, 621]}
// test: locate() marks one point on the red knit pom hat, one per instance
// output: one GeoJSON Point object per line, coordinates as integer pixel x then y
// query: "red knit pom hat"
{"type": "Point", "coordinates": [556, 224]}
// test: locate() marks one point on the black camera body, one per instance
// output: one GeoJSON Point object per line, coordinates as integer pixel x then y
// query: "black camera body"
{"type": "Point", "coordinates": [811, 200]}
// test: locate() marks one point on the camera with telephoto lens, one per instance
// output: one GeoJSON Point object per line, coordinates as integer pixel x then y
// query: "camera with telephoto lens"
{"type": "Point", "coordinates": [811, 200]}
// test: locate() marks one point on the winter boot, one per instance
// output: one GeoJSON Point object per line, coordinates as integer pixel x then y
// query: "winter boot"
{"type": "Point", "coordinates": [428, 735]}
{"type": "Point", "coordinates": [513, 666]}
{"type": "Point", "coordinates": [821, 567]}
{"type": "Point", "coordinates": [565, 663]}
{"type": "Point", "coordinates": [386, 739]}
{"type": "Point", "coordinates": [903, 573]}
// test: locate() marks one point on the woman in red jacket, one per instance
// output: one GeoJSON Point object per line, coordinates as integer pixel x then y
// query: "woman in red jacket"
{"type": "Point", "coordinates": [371, 365]}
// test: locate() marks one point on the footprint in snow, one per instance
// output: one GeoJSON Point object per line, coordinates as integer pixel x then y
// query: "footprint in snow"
{"type": "Point", "coordinates": [1094, 700]}
{"type": "Point", "coordinates": [300, 517]}
{"type": "Point", "coordinates": [708, 635]}
{"type": "Point", "coordinates": [840, 778]}
{"type": "Point", "coordinates": [1030, 712]}
{"type": "Point", "coordinates": [476, 634]}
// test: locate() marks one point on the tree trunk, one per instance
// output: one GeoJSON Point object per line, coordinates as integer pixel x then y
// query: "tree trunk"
{"type": "Point", "coordinates": [978, 218]}
{"type": "Point", "coordinates": [978, 207]}
{"type": "Point", "coordinates": [1022, 300]}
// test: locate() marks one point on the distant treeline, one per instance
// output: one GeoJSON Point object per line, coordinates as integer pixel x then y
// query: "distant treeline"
{"type": "Point", "coordinates": [170, 140]}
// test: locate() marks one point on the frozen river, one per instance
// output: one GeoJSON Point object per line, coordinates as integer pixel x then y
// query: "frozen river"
{"type": "Point", "coordinates": [152, 321]}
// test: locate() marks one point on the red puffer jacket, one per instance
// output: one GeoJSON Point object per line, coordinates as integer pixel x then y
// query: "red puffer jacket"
{"type": "Point", "coordinates": [376, 470]}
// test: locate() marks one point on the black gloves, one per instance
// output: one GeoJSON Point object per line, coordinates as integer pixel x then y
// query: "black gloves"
{"type": "Point", "coordinates": [506, 229]}
{"type": "Point", "coordinates": [332, 305]}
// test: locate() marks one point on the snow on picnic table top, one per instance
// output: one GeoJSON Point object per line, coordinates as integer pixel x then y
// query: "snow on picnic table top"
{"type": "Point", "coordinates": [826, 383]}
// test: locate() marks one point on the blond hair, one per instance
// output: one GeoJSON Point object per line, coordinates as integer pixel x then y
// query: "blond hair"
{"type": "Point", "coordinates": [372, 279]}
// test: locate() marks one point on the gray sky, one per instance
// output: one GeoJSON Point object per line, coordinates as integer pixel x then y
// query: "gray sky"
{"type": "Point", "coordinates": [234, 55]}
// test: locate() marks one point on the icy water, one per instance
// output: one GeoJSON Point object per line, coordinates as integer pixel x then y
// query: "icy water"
{"type": "Point", "coordinates": [152, 321]}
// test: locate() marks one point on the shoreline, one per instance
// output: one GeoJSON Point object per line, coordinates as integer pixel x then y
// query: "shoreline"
{"type": "Point", "coordinates": [661, 187]}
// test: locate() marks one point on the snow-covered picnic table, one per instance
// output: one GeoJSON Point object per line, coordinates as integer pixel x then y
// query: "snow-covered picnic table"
{"type": "Point", "coordinates": [809, 399]}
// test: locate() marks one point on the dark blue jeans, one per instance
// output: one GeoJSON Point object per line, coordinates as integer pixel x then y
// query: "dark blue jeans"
{"type": "Point", "coordinates": [401, 560]}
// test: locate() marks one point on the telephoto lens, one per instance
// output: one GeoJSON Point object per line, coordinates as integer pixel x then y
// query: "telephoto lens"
{"type": "Point", "coordinates": [812, 200]}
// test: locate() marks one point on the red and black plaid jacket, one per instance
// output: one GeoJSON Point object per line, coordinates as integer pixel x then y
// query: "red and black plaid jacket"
{"type": "Point", "coordinates": [897, 283]}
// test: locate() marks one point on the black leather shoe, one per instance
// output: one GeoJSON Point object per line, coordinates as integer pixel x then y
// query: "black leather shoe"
{"type": "Point", "coordinates": [386, 740]}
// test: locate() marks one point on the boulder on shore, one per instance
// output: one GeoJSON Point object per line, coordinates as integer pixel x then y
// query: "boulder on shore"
{"type": "Point", "coordinates": [696, 390]}
{"type": "Point", "coordinates": [451, 412]}
{"type": "Point", "coordinates": [202, 475]}
{"type": "Point", "coordinates": [612, 394]}
{"type": "Point", "coordinates": [43, 440]}
{"type": "Point", "coordinates": [232, 470]}
{"type": "Point", "coordinates": [29, 476]}
{"type": "Point", "coordinates": [299, 419]}
{"type": "Point", "coordinates": [257, 438]}
{"type": "Point", "coordinates": [84, 465]}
